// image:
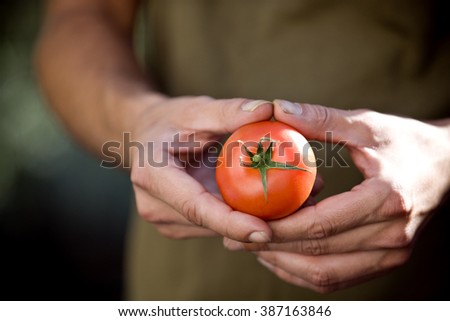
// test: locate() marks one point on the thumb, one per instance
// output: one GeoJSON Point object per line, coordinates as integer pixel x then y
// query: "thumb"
{"type": "Point", "coordinates": [224, 116]}
{"type": "Point", "coordinates": [321, 123]}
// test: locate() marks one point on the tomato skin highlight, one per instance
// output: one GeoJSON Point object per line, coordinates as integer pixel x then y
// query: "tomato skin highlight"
{"type": "Point", "coordinates": [242, 188]}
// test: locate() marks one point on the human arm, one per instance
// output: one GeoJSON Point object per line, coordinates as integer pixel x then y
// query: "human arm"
{"type": "Point", "coordinates": [357, 235]}
{"type": "Point", "coordinates": [89, 74]}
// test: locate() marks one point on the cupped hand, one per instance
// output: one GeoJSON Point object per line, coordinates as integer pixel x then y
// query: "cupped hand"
{"type": "Point", "coordinates": [173, 176]}
{"type": "Point", "coordinates": [356, 235]}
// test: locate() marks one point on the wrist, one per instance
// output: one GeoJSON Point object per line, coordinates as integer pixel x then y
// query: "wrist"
{"type": "Point", "coordinates": [129, 108]}
{"type": "Point", "coordinates": [124, 108]}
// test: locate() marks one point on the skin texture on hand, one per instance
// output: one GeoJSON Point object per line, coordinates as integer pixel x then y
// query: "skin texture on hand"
{"type": "Point", "coordinates": [354, 236]}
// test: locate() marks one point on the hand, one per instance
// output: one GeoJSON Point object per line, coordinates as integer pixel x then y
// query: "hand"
{"type": "Point", "coordinates": [180, 196]}
{"type": "Point", "coordinates": [357, 235]}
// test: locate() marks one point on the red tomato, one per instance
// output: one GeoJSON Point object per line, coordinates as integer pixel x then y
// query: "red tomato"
{"type": "Point", "coordinates": [266, 169]}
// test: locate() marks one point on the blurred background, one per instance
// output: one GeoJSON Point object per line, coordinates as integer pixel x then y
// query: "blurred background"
{"type": "Point", "coordinates": [62, 217]}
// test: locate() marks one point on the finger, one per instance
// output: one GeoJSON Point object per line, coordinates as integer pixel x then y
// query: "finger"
{"type": "Point", "coordinates": [298, 281]}
{"type": "Point", "coordinates": [330, 272]}
{"type": "Point", "coordinates": [224, 116]}
{"type": "Point", "coordinates": [324, 123]}
{"type": "Point", "coordinates": [364, 204]}
{"type": "Point", "coordinates": [385, 235]}
{"type": "Point", "coordinates": [180, 232]}
{"type": "Point", "coordinates": [167, 221]}
{"type": "Point", "coordinates": [156, 211]}
{"type": "Point", "coordinates": [188, 197]}
{"type": "Point", "coordinates": [204, 120]}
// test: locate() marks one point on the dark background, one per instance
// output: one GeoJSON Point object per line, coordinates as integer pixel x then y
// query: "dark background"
{"type": "Point", "coordinates": [62, 217]}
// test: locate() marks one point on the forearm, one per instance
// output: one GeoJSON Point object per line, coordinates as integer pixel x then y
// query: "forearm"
{"type": "Point", "coordinates": [89, 74]}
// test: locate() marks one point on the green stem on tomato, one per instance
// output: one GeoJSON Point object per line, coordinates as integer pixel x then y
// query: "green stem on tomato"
{"type": "Point", "coordinates": [262, 161]}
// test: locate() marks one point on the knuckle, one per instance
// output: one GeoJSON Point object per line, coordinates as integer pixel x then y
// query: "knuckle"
{"type": "Point", "coordinates": [370, 127]}
{"type": "Point", "coordinates": [394, 236]}
{"type": "Point", "coordinates": [190, 211]}
{"type": "Point", "coordinates": [321, 277]}
{"type": "Point", "coordinates": [323, 116]}
{"type": "Point", "coordinates": [396, 203]}
{"type": "Point", "coordinates": [149, 214]}
{"type": "Point", "coordinates": [321, 229]}
{"type": "Point", "coordinates": [401, 240]}
{"type": "Point", "coordinates": [395, 258]}
{"type": "Point", "coordinates": [141, 178]}
{"type": "Point", "coordinates": [153, 213]}
{"type": "Point", "coordinates": [136, 178]}
{"type": "Point", "coordinates": [400, 203]}
{"type": "Point", "coordinates": [154, 217]}
{"type": "Point", "coordinates": [365, 117]}
{"type": "Point", "coordinates": [313, 246]}
{"type": "Point", "coordinates": [225, 110]}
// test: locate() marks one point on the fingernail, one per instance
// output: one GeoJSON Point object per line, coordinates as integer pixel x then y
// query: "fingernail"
{"type": "Point", "coordinates": [259, 237]}
{"type": "Point", "coordinates": [253, 104]}
{"type": "Point", "coordinates": [289, 107]}
{"type": "Point", "coordinates": [265, 263]}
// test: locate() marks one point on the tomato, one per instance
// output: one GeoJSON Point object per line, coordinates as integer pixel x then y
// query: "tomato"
{"type": "Point", "coordinates": [266, 169]}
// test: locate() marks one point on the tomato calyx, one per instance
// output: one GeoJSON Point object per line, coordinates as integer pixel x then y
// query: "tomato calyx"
{"type": "Point", "coordinates": [262, 161]}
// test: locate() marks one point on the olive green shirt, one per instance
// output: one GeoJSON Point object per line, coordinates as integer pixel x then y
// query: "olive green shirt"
{"type": "Point", "coordinates": [389, 56]}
